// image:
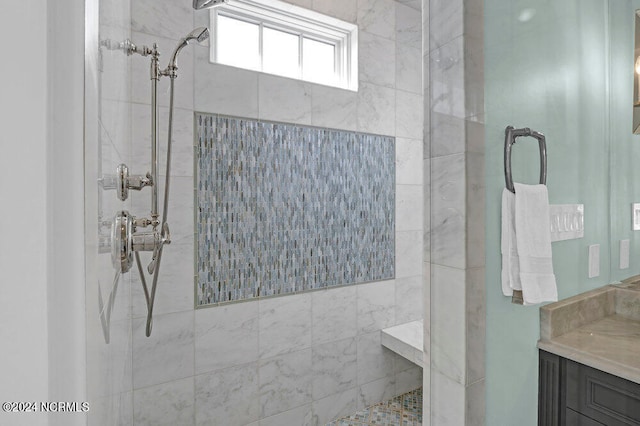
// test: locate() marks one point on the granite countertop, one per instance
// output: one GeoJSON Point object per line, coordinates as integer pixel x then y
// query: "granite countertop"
{"type": "Point", "coordinates": [599, 328]}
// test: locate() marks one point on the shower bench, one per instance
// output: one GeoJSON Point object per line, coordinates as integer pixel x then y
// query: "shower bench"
{"type": "Point", "coordinates": [406, 340]}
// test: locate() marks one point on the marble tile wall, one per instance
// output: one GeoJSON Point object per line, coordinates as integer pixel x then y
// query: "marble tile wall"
{"type": "Point", "coordinates": [454, 210]}
{"type": "Point", "coordinates": [297, 359]}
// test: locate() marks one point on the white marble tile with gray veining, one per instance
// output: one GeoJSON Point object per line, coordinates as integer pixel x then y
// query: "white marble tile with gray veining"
{"type": "Point", "coordinates": [302, 416]}
{"type": "Point", "coordinates": [408, 253]}
{"type": "Point", "coordinates": [408, 380]}
{"type": "Point", "coordinates": [284, 99]}
{"type": "Point", "coordinates": [167, 404]}
{"type": "Point", "coordinates": [116, 409]}
{"type": "Point", "coordinates": [474, 75]}
{"type": "Point", "coordinates": [409, 207]}
{"type": "Point", "coordinates": [449, 22]}
{"type": "Point", "coordinates": [162, 18]}
{"type": "Point", "coordinates": [115, 14]}
{"type": "Point", "coordinates": [374, 360]}
{"type": "Point", "coordinates": [335, 406]}
{"type": "Point", "coordinates": [475, 307]}
{"type": "Point", "coordinates": [167, 354]}
{"type": "Point", "coordinates": [448, 345]}
{"type": "Point", "coordinates": [475, 204]}
{"type": "Point", "coordinates": [115, 80]}
{"type": "Point", "coordinates": [175, 283]}
{"type": "Point", "coordinates": [115, 125]}
{"type": "Point", "coordinates": [475, 404]}
{"type": "Point", "coordinates": [226, 336]}
{"type": "Point", "coordinates": [228, 397]}
{"type": "Point", "coordinates": [447, 135]}
{"type": "Point", "coordinates": [375, 306]}
{"type": "Point", "coordinates": [334, 108]}
{"type": "Point", "coordinates": [408, 26]}
{"type": "Point", "coordinates": [447, 86]}
{"type": "Point", "coordinates": [114, 359]}
{"type": "Point", "coordinates": [333, 314]}
{"type": "Point", "coordinates": [285, 382]}
{"type": "Point", "coordinates": [408, 299]}
{"type": "Point", "coordinates": [426, 223]}
{"type": "Point", "coordinates": [448, 401]}
{"type": "Point", "coordinates": [415, 4]}
{"type": "Point", "coordinates": [334, 367]}
{"type": "Point", "coordinates": [377, 59]}
{"type": "Point", "coordinates": [448, 206]}
{"type": "Point", "coordinates": [408, 69]}
{"type": "Point", "coordinates": [377, 17]}
{"type": "Point", "coordinates": [409, 162]}
{"type": "Point", "coordinates": [223, 89]}
{"type": "Point", "coordinates": [285, 324]}
{"type": "Point", "coordinates": [375, 391]}
{"type": "Point", "coordinates": [409, 115]}
{"type": "Point", "coordinates": [376, 109]}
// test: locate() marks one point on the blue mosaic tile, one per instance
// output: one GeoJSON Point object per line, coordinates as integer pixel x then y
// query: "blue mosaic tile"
{"type": "Point", "coordinates": [403, 410]}
{"type": "Point", "coordinates": [282, 208]}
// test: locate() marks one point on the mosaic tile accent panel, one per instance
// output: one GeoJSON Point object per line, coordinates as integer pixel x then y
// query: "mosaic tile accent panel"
{"type": "Point", "coordinates": [282, 208]}
{"type": "Point", "coordinates": [403, 410]}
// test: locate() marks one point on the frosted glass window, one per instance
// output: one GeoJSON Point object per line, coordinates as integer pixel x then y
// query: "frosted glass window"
{"type": "Point", "coordinates": [280, 53]}
{"type": "Point", "coordinates": [242, 43]}
{"type": "Point", "coordinates": [319, 61]}
{"type": "Point", "coordinates": [279, 38]}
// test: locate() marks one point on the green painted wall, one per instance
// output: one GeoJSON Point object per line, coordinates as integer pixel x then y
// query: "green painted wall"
{"type": "Point", "coordinates": [556, 73]}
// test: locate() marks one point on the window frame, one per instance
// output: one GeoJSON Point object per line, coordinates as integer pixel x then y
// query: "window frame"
{"type": "Point", "coordinates": [298, 21]}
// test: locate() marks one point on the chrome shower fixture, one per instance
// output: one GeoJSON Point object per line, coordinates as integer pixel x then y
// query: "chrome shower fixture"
{"type": "Point", "coordinates": [206, 4]}
{"type": "Point", "coordinates": [127, 240]}
{"type": "Point", "coordinates": [199, 35]}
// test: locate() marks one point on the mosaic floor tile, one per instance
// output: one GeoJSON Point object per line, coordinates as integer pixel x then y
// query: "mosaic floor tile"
{"type": "Point", "coordinates": [403, 410]}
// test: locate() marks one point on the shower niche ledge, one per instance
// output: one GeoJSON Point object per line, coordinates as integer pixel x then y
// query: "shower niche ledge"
{"type": "Point", "coordinates": [406, 340]}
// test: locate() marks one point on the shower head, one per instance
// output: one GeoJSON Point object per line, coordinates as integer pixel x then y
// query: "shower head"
{"type": "Point", "coordinates": [206, 4]}
{"type": "Point", "coordinates": [199, 34]}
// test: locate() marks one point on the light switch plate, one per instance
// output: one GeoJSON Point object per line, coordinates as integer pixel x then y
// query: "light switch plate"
{"type": "Point", "coordinates": [624, 254]}
{"type": "Point", "coordinates": [594, 260]}
{"type": "Point", "coordinates": [567, 221]}
{"type": "Point", "coordinates": [635, 216]}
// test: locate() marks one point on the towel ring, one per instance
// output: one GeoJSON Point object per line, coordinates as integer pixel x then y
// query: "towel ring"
{"type": "Point", "coordinates": [510, 139]}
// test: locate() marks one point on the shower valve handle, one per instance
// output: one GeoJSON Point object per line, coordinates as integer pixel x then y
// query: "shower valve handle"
{"type": "Point", "coordinates": [165, 238]}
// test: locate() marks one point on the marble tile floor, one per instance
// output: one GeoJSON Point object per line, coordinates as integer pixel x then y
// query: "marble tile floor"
{"type": "Point", "coordinates": [403, 410]}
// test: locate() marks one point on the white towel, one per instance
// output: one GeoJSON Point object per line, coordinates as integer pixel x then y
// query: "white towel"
{"type": "Point", "coordinates": [510, 261]}
{"type": "Point", "coordinates": [526, 245]}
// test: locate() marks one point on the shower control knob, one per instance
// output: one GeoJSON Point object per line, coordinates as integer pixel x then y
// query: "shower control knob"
{"type": "Point", "coordinates": [125, 182]}
{"type": "Point", "coordinates": [122, 241]}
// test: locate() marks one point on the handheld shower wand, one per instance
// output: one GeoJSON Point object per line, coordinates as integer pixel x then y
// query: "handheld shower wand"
{"type": "Point", "coordinates": [197, 35]}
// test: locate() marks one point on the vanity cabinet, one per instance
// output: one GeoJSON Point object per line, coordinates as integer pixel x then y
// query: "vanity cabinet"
{"type": "Point", "coordinates": [574, 394]}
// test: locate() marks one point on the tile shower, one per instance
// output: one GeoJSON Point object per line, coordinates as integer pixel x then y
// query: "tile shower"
{"type": "Point", "coordinates": [304, 358]}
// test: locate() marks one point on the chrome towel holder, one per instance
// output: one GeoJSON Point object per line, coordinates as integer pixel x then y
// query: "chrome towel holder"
{"type": "Point", "coordinates": [510, 139]}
